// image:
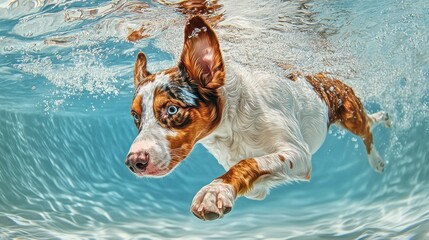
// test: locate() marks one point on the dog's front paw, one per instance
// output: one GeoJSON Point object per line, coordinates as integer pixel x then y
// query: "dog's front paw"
{"type": "Point", "coordinates": [213, 201]}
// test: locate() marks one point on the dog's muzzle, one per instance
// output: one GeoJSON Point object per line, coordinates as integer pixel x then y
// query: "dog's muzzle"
{"type": "Point", "coordinates": [148, 157]}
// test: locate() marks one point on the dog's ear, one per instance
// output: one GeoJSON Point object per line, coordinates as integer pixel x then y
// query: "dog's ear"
{"type": "Point", "coordinates": [201, 56]}
{"type": "Point", "coordinates": [140, 71]}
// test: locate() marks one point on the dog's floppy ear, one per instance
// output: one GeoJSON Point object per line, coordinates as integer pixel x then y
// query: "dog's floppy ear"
{"type": "Point", "coordinates": [140, 71]}
{"type": "Point", "coordinates": [201, 56]}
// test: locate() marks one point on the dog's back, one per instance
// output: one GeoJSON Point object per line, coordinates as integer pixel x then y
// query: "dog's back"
{"type": "Point", "coordinates": [286, 111]}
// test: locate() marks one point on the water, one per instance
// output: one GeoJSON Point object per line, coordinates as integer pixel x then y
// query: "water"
{"type": "Point", "coordinates": [65, 128]}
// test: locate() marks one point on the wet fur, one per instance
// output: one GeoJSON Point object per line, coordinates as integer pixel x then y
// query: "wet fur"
{"type": "Point", "coordinates": [262, 128]}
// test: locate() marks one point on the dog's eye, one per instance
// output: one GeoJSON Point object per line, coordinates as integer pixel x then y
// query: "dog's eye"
{"type": "Point", "coordinates": [171, 110]}
{"type": "Point", "coordinates": [136, 116]}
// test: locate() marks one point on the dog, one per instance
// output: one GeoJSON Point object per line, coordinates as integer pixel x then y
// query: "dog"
{"type": "Point", "coordinates": [261, 128]}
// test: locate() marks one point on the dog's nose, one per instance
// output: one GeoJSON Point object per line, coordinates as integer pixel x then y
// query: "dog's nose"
{"type": "Point", "coordinates": [137, 161]}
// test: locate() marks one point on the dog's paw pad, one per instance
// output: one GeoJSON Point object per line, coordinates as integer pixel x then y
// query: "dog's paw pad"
{"type": "Point", "coordinates": [213, 201]}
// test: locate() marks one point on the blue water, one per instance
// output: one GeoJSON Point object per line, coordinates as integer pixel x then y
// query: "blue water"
{"type": "Point", "coordinates": [65, 128]}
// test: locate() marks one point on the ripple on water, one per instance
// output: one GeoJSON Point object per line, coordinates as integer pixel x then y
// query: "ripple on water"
{"type": "Point", "coordinates": [62, 173]}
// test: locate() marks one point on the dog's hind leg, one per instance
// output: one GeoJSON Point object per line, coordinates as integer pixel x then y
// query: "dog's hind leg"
{"type": "Point", "coordinates": [346, 109]}
{"type": "Point", "coordinates": [352, 116]}
{"type": "Point", "coordinates": [374, 159]}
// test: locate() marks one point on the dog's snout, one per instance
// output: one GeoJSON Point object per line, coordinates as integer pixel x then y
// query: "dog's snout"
{"type": "Point", "coordinates": [137, 161]}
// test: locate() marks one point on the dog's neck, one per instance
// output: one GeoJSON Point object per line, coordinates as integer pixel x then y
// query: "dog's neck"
{"type": "Point", "coordinates": [241, 108]}
{"type": "Point", "coordinates": [236, 94]}
{"type": "Point", "coordinates": [233, 93]}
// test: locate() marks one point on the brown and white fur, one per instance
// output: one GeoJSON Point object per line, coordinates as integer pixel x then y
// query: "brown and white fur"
{"type": "Point", "coordinates": [262, 128]}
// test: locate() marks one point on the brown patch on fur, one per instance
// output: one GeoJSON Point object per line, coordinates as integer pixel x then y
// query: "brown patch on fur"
{"type": "Point", "coordinates": [201, 56]}
{"type": "Point", "coordinates": [174, 71]}
{"type": "Point", "coordinates": [136, 109]}
{"type": "Point", "coordinates": [140, 71]}
{"type": "Point", "coordinates": [137, 105]}
{"type": "Point", "coordinates": [344, 106]}
{"type": "Point", "coordinates": [243, 175]}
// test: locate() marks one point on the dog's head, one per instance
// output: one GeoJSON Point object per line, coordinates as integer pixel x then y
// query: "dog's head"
{"type": "Point", "coordinates": [174, 108]}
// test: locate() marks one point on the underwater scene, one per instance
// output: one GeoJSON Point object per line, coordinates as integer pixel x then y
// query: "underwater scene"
{"type": "Point", "coordinates": [66, 88]}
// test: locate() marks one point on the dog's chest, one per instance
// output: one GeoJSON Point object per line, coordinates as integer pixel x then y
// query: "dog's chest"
{"type": "Point", "coordinates": [230, 147]}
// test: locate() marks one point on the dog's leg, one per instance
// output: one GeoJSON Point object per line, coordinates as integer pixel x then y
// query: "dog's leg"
{"type": "Point", "coordinates": [353, 117]}
{"type": "Point", "coordinates": [217, 198]}
{"type": "Point", "coordinates": [346, 109]}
